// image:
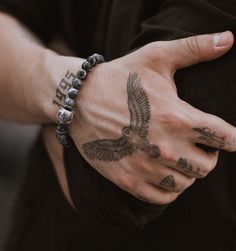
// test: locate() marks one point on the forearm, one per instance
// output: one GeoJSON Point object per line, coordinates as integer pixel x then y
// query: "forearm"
{"type": "Point", "coordinates": [29, 74]}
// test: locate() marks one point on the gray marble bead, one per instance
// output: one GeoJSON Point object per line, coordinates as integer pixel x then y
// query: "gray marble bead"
{"type": "Point", "coordinates": [72, 93]}
{"type": "Point", "coordinates": [81, 74]}
{"type": "Point", "coordinates": [69, 103]}
{"type": "Point", "coordinates": [61, 129]}
{"type": "Point", "coordinates": [63, 139]}
{"type": "Point", "coordinates": [100, 59]}
{"type": "Point", "coordinates": [77, 83]}
{"type": "Point", "coordinates": [92, 60]}
{"type": "Point", "coordinates": [86, 66]}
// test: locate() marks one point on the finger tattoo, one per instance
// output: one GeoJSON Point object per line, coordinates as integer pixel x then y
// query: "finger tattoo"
{"type": "Point", "coordinates": [168, 182]}
{"type": "Point", "coordinates": [206, 134]}
{"type": "Point", "coordinates": [134, 137]}
{"type": "Point", "coordinates": [187, 168]}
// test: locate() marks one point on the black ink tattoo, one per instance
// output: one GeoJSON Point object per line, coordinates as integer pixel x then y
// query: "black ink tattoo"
{"type": "Point", "coordinates": [134, 136]}
{"type": "Point", "coordinates": [210, 137]}
{"type": "Point", "coordinates": [188, 168]}
{"type": "Point", "coordinates": [60, 96]}
{"type": "Point", "coordinates": [168, 182]}
{"type": "Point", "coordinates": [63, 88]}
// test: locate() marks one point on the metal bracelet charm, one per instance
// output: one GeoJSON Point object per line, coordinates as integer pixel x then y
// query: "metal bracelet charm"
{"type": "Point", "coordinates": [65, 113]}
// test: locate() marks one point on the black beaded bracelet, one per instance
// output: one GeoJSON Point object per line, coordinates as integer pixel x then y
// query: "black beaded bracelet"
{"type": "Point", "coordinates": [65, 113]}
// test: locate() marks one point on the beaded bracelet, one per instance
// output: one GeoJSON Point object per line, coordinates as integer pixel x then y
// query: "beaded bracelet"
{"type": "Point", "coordinates": [65, 113]}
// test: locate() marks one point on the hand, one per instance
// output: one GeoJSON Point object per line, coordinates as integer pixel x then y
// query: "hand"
{"type": "Point", "coordinates": [132, 127]}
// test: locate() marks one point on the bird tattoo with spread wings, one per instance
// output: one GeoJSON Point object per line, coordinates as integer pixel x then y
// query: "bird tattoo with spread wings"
{"type": "Point", "coordinates": [134, 136]}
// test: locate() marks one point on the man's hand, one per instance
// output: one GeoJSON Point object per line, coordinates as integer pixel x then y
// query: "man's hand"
{"type": "Point", "coordinates": [130, 124]}
{"type": "Point", "coordinates": [132, 127]}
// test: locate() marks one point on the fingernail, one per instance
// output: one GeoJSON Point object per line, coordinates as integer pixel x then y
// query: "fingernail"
{"type": "Point", "coordinates": [221, 39]}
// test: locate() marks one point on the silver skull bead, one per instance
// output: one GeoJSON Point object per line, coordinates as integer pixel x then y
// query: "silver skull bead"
{"type": "Point", "coordinates": [64, 116]}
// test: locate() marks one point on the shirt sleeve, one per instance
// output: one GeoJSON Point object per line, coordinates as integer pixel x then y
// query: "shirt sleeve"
{"type": "Point", "coordinates": [41, 16]}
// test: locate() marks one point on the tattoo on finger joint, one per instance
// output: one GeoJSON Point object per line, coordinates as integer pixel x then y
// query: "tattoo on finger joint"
{"type": "Point", "coordinates": [187, 168]}
{"type": "Point", "coordinates": [168, 182]}
{"type": "Point", "coordinates": [210, 136]}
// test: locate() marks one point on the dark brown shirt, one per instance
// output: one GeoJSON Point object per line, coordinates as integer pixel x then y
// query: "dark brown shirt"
{"type": "Point", "coordinates": [204, 217]}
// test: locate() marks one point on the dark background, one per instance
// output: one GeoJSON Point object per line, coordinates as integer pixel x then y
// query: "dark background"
{"type": "Point", "coordinates": [15, 142]}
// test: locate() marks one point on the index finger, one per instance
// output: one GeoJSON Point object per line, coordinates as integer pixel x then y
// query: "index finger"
{"type": "Point", "coordinates": [215, 132]}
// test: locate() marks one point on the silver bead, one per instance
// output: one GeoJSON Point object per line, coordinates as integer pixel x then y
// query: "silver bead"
{"type": "Point", "coordinates": [72, 93]}
{"type": "Point", "coordinates": [64, 116]}
{"type": "Point", "coordinates": [69, 102]}
{"type": "Point", "coordinates": [86, 66]}
{"type": "Point", "coordinates": [81, 74]}
{"type": "Point", "coordinates": [99, 58]}
{"type": "Point", "coordinates": [92, 60]}
{"type": "Point", "coordinates": [63, 139]}
{"type": "Point", "coordinates": [77, 83]}
{"type": "Point", "coordinates": [61, 129]}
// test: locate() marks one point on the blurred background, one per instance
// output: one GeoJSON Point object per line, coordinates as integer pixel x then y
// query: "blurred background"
{"type": "Point", "coordinates": [15, 143]}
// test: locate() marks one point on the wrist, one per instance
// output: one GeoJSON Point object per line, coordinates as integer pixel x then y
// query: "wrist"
{"type": "Point", "coordinates": [74, 83]}
{"type": "Point", "coordinates": [60, 71]}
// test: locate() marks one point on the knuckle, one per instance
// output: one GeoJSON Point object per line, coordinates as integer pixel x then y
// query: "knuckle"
{"type": "Point", "coordinates": [167, 153]}
{"type": "Point", "coordinates": [187, 184]}
{"type": "Point", "coordinates": [208, 168]}
{"type": "Point", "coordinates": [204, 172]}
{"type": "Point", "coordinates": [212, 164]}
{"type": "Point", "coordinates": [231, 143]}
{"type": "Point", "coordinates": [169, 197]}
{"type": "Point", "coordinates": [190, 168]}
{"type": "Point", "coordinates": [146, 198]}
{"type": "Point", "coordinates": [193, 46]}
{"type": "Point", "coordinates": [127, 183]}
{"type": "Point", "coordinates": [160, 198]}
{"type": "Point", "coordinates": [142, 167]}
{"type": "Point", "coordinates": [175, 120]}
{"type": "Point", "coordinates": [163, 197]}
{"type": "Point", "coordinates": [231, 149]}
{"type": "Point", "coordinates": [150, 48]}
{"type": "Point", "coordinates": [181, 187]}
{"type": "Point", "coordinates": [143, 198]}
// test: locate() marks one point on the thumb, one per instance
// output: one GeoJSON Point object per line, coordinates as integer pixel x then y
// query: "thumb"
{"type": "Point", "coordinates": [192, 50]}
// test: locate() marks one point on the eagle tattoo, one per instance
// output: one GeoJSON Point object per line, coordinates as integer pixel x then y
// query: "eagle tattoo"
{"type": "Point", "coordinates": [134, 136]}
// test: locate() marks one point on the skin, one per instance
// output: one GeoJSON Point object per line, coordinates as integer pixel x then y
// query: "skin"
{"type": "Point", "coordinates": [32, 84]}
